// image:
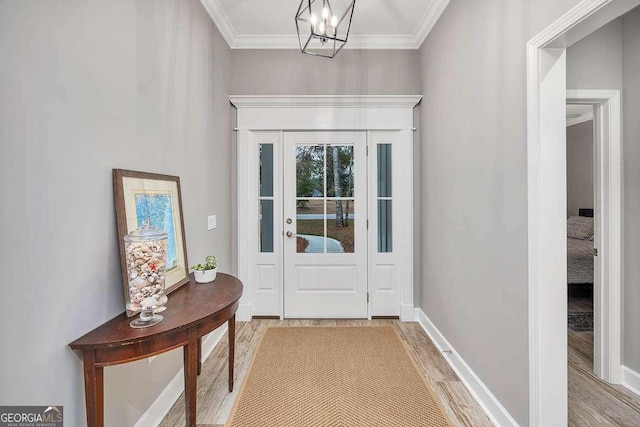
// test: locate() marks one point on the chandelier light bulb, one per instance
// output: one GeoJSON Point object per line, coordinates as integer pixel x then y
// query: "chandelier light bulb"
{"type": "Point", "coordinates": [334, 21]}
{"type": "Point", "coordinates": [314, 19]}
{"type": "Point", "coordinates": [325, 13]}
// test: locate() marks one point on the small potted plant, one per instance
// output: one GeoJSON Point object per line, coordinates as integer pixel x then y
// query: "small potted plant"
{"type": "Point", "coordinates": [205, 273]}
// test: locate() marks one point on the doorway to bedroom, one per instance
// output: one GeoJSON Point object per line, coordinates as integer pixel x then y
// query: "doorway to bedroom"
{"type": "Point", "coordinates": [581, 252]}
{"type": "Point", "coordinates": [594, 261]}
{"type": "Point", "coordinates": [593, 235]}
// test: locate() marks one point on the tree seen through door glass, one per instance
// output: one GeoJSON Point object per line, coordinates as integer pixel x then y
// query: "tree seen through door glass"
{"type": "Point", "coordinates": [309, 166]}
{"type": "Point", "coordinates": [340, 171]}
{"type": "Point", "coordinates": [325, 223]}
{"type": "Point", "coordinates": [340, 225]}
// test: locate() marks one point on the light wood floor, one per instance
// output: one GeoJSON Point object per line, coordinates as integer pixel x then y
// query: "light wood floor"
{"type": "Point", "coordinates": [215, 403]}
{"type": "Point", "coordinates": [593, 402]}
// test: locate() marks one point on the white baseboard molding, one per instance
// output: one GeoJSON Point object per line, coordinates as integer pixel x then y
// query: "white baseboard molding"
{"type": "Point", "coordinates": [244, 313]}
{"type": "Point", "coordinates": [407, 313]}
{"type": "Point", "coordinates": [631, 379]}
{"type": "Point", "coordinates": [487, 401]}
{"type": "Point", "coordinates": [161, 406]}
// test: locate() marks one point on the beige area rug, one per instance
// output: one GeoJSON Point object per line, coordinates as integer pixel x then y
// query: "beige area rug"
{"type": "Point", "coordinates": [334, 376]}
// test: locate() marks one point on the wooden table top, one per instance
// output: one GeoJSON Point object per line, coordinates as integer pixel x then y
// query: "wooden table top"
{"type": "Point", "coordinates": [187, 305]}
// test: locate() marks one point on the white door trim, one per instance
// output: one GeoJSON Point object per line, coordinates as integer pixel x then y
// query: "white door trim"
{"type": "Point", "coordinates": [608, 240]}
{"type": "Point", "coordinates": [546, 168]}
{"type": "Point", "coordinates": [319, 113]}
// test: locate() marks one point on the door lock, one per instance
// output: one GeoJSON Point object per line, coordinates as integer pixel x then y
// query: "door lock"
{"type": "Point", "coordinates": [290, 234]}
{"type": "Point", "coordinates": [289, 221]}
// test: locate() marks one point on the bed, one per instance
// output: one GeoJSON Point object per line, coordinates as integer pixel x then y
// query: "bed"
{"type": "Point", "coordinates": [580, 248]}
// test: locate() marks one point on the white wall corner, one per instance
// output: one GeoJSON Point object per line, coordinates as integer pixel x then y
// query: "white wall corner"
{"type": "Point", "coordinates": [631, 379]}
{"type": "Point", "coordinates": [244, 312]}
{"type": "Point", "coordinates": [407, 313]}
{"type": "Point", "coordinates": [428, 21]}
{"type": "Point", "coordinates": [160, 407]}
{"type": "Point", "coordinates": [480, 392]}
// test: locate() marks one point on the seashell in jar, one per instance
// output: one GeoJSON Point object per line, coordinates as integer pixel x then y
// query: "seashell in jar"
{"type": "Point", "coordinates": [140, 283]}
{"type": "Point", "coordinates": [133, 274]}
{"type": "Point", "coordinates": [149, 302]}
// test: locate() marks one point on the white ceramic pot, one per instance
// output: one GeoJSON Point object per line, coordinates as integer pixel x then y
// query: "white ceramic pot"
{"type": "Point", "coordinates": [205, 276]}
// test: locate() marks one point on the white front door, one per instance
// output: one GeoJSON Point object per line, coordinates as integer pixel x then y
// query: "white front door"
{"type": "Point", "coordinates": [325, 225]}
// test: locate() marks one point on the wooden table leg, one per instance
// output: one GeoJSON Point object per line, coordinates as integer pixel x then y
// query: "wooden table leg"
{"type": "Point", "coordinates": [190, 377]}
{"type": "Point", "coordinates": [93, 389]}
{"type": "Point", "coordinates": [232, 345]}
{"type": "Point", "coordinates": [199, 355]}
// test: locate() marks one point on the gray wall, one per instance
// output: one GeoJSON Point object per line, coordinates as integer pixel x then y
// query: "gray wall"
{"type": "Point", "coordinates": [579, 167]}
{"type": "Point", "coordinates": [351, 72]}
{"type": "Point", "coordinates": [474, 186]}
{"type": "Point", "coordinates": [595, 62]}
{"type": "Point", "coordinates": [631, 162]}
{"type": "Point", "coordinates": [87, 86]}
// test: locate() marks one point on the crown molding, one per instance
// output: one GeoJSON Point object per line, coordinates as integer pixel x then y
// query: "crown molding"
{"type": "Point", "coordinates": [431, 16]}
{"type": "Point", "coordinates": [221, 20]}
{"type": "Point", "coordinates": [388, 41]}
{"type": "Point", "coordinates": [399, 101]}
{"type": "Point", "coordinates": [355, 42]}
{"type": "Point", "coordinates": [580, 119]}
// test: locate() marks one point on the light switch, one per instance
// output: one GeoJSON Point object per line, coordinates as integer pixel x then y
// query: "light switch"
{"type": "Point", "coordinates": [211, 222]}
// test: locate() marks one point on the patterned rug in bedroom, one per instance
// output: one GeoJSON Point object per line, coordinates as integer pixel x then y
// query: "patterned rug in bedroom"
{"type": "Point", "coordinates": [581, 321]}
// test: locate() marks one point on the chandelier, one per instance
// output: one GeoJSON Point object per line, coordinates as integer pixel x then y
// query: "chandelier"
{"type": "Point", "coordinates": [321, 30]}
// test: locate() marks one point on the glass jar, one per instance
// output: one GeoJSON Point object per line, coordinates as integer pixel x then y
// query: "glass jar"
{"type": "Point", "coordinates": [146, 254]}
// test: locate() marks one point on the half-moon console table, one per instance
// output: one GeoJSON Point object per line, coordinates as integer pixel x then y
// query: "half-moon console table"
{"type": "Point", "coordinates": [193, 310]}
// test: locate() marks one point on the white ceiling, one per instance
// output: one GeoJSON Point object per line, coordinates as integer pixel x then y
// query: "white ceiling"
{"type": "Point", "coordinates": [578, 113]}
{"type": "Point", "coordinates": [377, 24]}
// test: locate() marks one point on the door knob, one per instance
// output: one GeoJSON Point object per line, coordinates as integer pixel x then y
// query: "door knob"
{"type": "Point", "coordinates": [290, 234]}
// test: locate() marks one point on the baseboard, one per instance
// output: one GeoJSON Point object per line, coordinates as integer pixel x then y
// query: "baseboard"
{"type": "Point", "coordinates": [487, 401]}
{"type": "Point", "coordinates": [161, 406]}
{"type": "Point", "coordinates": [631, 379]}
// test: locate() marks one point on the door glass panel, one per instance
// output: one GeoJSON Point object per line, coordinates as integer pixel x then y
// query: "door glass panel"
{"type": "Point", "coordinates": [340, 226]}
{"type": "Point", "coordinates": [385, 239]}
{"type": "Point", "coordinates": [309, 170]}
{"type": "Point", "coordinates": [266, 170]}
{"type": "Point", "coordinates": [339, 172]}
{"type": "Point", "coordinates": [384, 170]}
{"type": "Point", "coordinates": [266, 225]}
{"type": "Point", "coordinates": [310, 227]}
{"type": "Point", "coordinates": [265, 198]}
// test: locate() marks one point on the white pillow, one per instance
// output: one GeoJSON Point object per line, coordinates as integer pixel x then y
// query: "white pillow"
{"type": "Point", "coordinates": [580, 227]}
